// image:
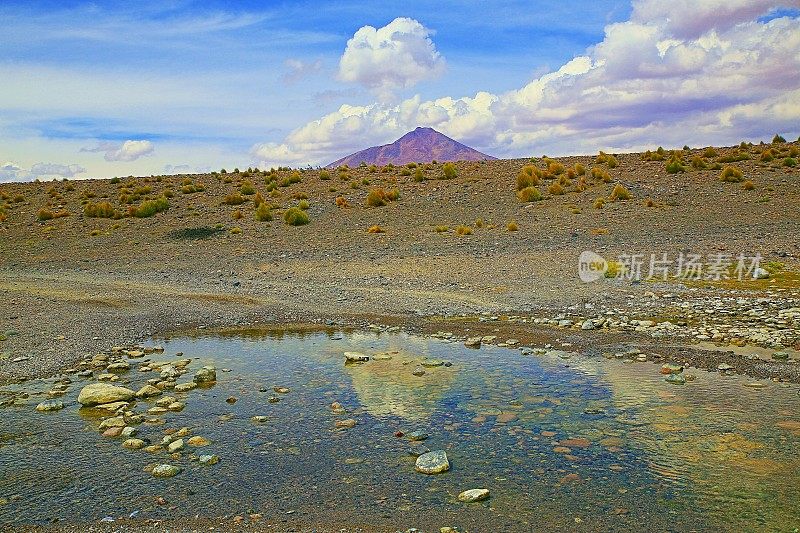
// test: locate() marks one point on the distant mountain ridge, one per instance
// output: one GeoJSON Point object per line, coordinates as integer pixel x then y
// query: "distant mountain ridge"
{"type": "Point", "coordinates": [422, 145]}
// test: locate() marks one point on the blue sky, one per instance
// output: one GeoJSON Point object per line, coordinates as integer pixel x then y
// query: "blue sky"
{"type": "Point", "coordinates": [196, 85]}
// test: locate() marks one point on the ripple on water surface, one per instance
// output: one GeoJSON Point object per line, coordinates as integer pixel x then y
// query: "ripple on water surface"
{"type": "Point", "coordinates": [557, 442]}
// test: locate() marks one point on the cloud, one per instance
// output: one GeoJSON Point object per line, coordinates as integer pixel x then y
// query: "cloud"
{"type": "Point", "coordinates": [297, 69]}
{"type": "Point", "coordinates": [658, 78]}
{"type": "Point", "coordinates": [11, 171]}
{"type": "Point", "coordinates": [185, 169]}
{"type": "Point", "coordinates": [127, 151]}
{"type": "Point", "coordinates": [396, 56]}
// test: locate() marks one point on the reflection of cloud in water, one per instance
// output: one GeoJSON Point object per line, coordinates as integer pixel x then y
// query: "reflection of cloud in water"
{"type": "Point", "coordinates": [705, 435]}
{"type": "Point", "coordinates": [388, 387]}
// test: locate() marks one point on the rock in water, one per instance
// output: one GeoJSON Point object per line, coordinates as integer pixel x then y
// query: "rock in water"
{"type": "Point", "coordinates": [675, 379]}
{"type": "Point", "coordinates": [473, 495]}
{"type": "Point", "coordinates": [134, 444]}
{"type": "Point", "coordinates": [671, 368]}
{"type": "Point", "coordinates": [433, 462]}
{"type": "Point", "coordinates": [148, 391]}
{"type": "Point", "coordinates": [473, 342]}
{"type": "Point", "coordinates": [207, 374]}
{"type": "Point", "coordinates": [50, 405]}
{"type": "Point", "coordinates": [208, 459]}
{"type": "Point", "coordinates": [165, 470]}
{"type": "Point", "coordinates": [100, 393]}
{"type": "Point", "coordinates": [355, 357]}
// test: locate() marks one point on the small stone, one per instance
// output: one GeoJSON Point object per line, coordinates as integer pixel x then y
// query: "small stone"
{"type": "Point", "coordinates": [231, 400]}
{"type": "Point", "coordinates": [176, 406]}
{"type": "Point", "coordinates": [113, 422]}
{"type": "Point", "coordinates": [175, 446]}
{"type": "Point", "coordinates": [112, 432]}
{"type": "Point", "coordinates": [671, 368]}
{"type": "Point", "coordinates": [128, 432]}
{"type": "Point", "coordinates": [118, 367]}
{"type": "Point", "coordinates": [417, 436]}
{"type": "Point", "coordinates": [273, 399]}
{"type": "Point", "coordinates": [50, 405]}
{"type": "Point", "coordinates": [675, 379]}
{"type": "Point", "coordinates": [417, 448]}
{"type": "Point", "coordinates": [473, 342]}
{"type": "Point", "coordinates": [165, 470]}
{"type": "Point", "coordinates": [259, 419]}
{"type": "Point", "coordinates": [346, 423]}
{"type": "Point", "coordinates": [207, 374]}
{"type": "Point", "coordinates": [208, 460]}
{"type": "Point", "coordinates": [148, 391]}
{"type": "Point", "coordinates": [431, 363]}
{"type": "Point", "coordinates": [473, 495]}
{"type": "Point", "coordinates": [724, 367]}
{"type": "Point", "coordinates": [164, 401]}
{"type": "Point", "coordinates": [433, 462]}
{"type": "Point", "coordinates": [281, 390]}
{"type": "Point", "coordinates": [355, 357]}
{"type": "Point", "coordinates": [185, 387]}
{"type": "Point", "coordinates": [156, 411]}
{"type": "Point", "coordinates": [419, 371]}
{"type": "Point", "coordinates": [780, 356]}
{"type": "Point", "coordinates": [198, 441]}
{"type": "Point", "coordinates": [134, 444]}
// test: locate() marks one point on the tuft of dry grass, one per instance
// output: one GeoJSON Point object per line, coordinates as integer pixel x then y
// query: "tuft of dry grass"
{"type": "Point", "coordinates": [555, 189]}
{"type": "Point", "coordinates": [649, 203]}
{"type": "Point", "coordinates": [529, 194]}
{"type": "Point", "coordinates": [599, 203]}
{"type": "Point", "coordinates": [263, 213]}
{"type": "Point", "coordinates": [237, 215]}
{"type": "Point", "coordinates": [449, 171]}
{"type": "Point", "coordinates": [620, 193]}
{"type": "Point", "coordinates": [512, 226]}
{"type": "Point", "coordinates": [731, 175]}
{"type": "Point", "coordinates": [376, 229]}
{"type": "Point", "coordinates": [234, 198]}
{"type": "Point", "coordinates": [608, 159]}
{"type": "Point", "coordinates": [101, 210]}
{"type": "Point", "coordinates": [442, 229]}
{"type": "Point", "coordinates": [748, 185]}
{"type": "Point", "coordinates": [463, 230]}
{"type": "Point", "coordinates": [341, 201]}
{"type": "Point", "coordinates": [379, 197]}
{"type": "Point", "coordinates": [529, 176]}
{"type": "Point", "coordinates": [295, 216]}
{"type": "Point", "coordinates": [324, 175]}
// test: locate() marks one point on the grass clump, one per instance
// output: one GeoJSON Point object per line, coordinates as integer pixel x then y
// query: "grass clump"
{"type": "Point", "coordinates": [512, 226]}
{"type": "Point", "coordinates": [376, 229]}
{"type": "Point", "coordinates": [341, 201]}
{"type": "Point", "coordinates": [247, 188]}
{"type": "Point", "coordinates": [449, 171]}
{"type": "Point", "coordinates": [748, 185]}
{"type": "Point", "coordinates": [734, 157]}
{"type": "Point", "coordinates": [555, 189]}
{"type": "Point", "coordinates": [149, 208]}
{"type": "Point", "coordinates": [194, 234]}
{"type": "Point", "coordinates": [674, 166]}
{"type": "Point", "coordinates": [263, 213]}
{"type": "Point", "coordinates": [294, 216]}
{"type": "Point", "coordinates": [615, 269]}
{"type": "Point", "coordinates": [101, 210]}
{"type": "Point", "coordinates": [731, 175]}
{"type": "Point", "coordinates": [790, 162]}
{"type": "Point", "coordinates": [234, 199]}
{"type": "Point", "coordinates": [419, 175]}
{"type": "Point", "coordinates": [442, 229]}
{"type": "Point", "coordinates": [324, 175]}
{"type": "Point", "coordinates": [304, 205]}
{"type": "Point", "coordinates": [601, 174]}
{"type": "Point", "coordinates": [463, 230]}
{"type": "Point", "coordinates": [529, 176]}
{"type": "Point", "coordinates": [620, 193]}
{"type": "Point", "coordinates": [608, 159]}
{"type": "Point", "coordinates": [529, 194]}
{"type": "Point", "coordinates": [236, 230]}
{"type": "Point", "coordinates": [380, 197]}
{"type": "Point", "coordinates": [46, 214]}
{"type": "Point", "coordinates": [699, 163]}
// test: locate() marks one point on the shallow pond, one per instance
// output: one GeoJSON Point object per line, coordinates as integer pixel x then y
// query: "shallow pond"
{"type": "Point", "coordinates": [562, 443]}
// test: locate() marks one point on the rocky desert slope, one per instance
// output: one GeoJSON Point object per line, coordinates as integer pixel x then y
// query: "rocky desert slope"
{"type": "Point", "coordinates": [85, 265]}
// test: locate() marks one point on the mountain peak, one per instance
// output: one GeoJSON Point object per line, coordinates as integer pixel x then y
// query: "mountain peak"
{"type": "Point", "coordinates": [421, 145]}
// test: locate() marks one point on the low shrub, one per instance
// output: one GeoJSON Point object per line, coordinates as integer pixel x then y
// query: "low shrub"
{"type": "Point", "coordinates": [555, 189]}
{"type": "Point", "coordinates": [734, 157]}
{"type": "Point", "coordinates": [599, 203]}
{"type": "Point", "coordinates": [341, 201]}
{"type": "Point", "coordinates": [748, 185]}
{"type": "Point", "coordinates": [620, 193]}
{"type": "Point", "coordinates": [608, 159]}
{"type": "Point", "coordinates": [295, 216]}
{"type": "Point", "coordinates": [46, 214]}
{"type": "Point", "coordinates": [324, 175]}
{"type": "Point", "coordinates": [237, 215]}
{"type": "Point", "coordinates": [380, 197]}
{"type": "Point", "coordinates": [529, 194]}
{"type": "Point", "coordinates": [247, 188]}
{"type": "Point", "coordinates": [778, 139]}
{"type": "Point", "coordinates": [236, 230]}
{"type": "Point", "coordinates": [263, 213]}
{"type": "Point", "coordinates": [234, 199]}
{"type": "Point", "coordinates": [149, 208]}
{"type": "Point", "coordinates": [554, 168]}
{"type": "Point", "coordinates": [512, 226]}
{"type": "Point", "coordinates": [463, 230]}
{"type": "Point", "coordinates": [303, 204]}
{"type": "Point", "coordinates": [258, 199]}
{"type": "Point", "coordinates": [649, 203]}
{"type": "Point", "coordinates": [449, 171]}
{"type": "Point", "coordinates": [441, 229]}
{"type": "Point", "coordinates": [101, 210]}
{"type": "Point", "coordinates": [790, 162]}
{"type": "Point", "coordinates": [674, 166]}
{"type": "Point", "coordinates": [731, 175]}
{"type": "Point", "coordinates": [529, 176]}
{"type": "Point", "coordinates": [699, 163]}
{"type": "Point", "coordinates": [710, 152]}
{"type": "Point", "coordinates": [375, 229]}
{"type": "Point", "coordinates": [601, 174]}
{"type": "Point", "coordinates": [419, 175]}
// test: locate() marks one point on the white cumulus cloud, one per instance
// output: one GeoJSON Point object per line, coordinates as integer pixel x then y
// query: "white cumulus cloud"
{"type": "Point", "coordinates": [659, 78]}
{"type": "Point", "coordinates": [11, 171]}
{"type": "Point", "coordinates": [127, 151]}
{"type": "Point", "coordinates": [396, 56]}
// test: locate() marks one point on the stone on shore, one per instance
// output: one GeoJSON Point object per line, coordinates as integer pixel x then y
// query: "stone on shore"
{"type": "Point", "coordinates": [165, 470]}
{"type": "Point", "coordinates": [355, 357]}
{"type": "Point", "coordinates": [434, 462]}
{"type": "Point", "coordinates": [148, 391]}
{"type": "Point", "coordinates": [207, 374]}
{"type": "Point", "coordinates": [473, 495]}
{"type": "Point", "coordinates": [50, 405]}
{"type": "Point", "coordinates": [208, 459]}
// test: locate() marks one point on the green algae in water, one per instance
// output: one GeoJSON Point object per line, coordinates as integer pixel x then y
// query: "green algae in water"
{"type": "Point", "coordinates": [599, 443]}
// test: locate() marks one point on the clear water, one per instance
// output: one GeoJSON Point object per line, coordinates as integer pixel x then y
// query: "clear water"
{"type": "Point", "coordinates": [709, 455]}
